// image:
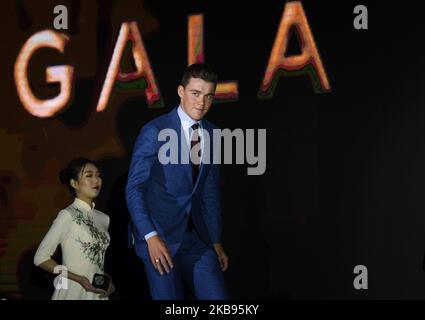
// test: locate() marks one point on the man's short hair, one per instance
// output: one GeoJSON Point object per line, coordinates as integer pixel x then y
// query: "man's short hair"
{"type": "Point", "coordinates": [200, 71]}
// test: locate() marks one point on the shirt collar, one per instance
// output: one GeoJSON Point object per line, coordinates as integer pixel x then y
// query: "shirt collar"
{"type": "Point", "coordinates": [82, 205]}
{"type": "Point", "coordinates": [186, 121]}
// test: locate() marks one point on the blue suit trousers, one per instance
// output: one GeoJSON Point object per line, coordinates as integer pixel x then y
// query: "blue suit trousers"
{"type": "Point", "coordinates": [196, 267]}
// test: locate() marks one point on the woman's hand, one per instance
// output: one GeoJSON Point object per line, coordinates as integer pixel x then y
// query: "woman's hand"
{"type": "Point", "coordinates": [111, 290]}
{"type": "Point", "coordinates": [86, 284]}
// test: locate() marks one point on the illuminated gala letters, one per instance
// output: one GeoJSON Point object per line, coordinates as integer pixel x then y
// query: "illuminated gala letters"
{"type": "Point", "coordinates": [130, 32]}
{"type": "Point", "coordinates": [308, 62]}
{"type": "Point", "coordinates": [226, 91]}
{"type": "Point", "coordinates": [61, 74]}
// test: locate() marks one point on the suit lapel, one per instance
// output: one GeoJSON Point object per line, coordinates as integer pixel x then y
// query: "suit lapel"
{"type": "Point", "coordinates": [175, 124]}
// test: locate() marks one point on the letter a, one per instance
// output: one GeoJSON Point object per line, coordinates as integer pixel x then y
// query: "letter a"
{"type": "Point", "coordinates": [61, 21]}
{"type": "Point", "coordinates": [308, 62]}
{"type": "Point", "coordinates": [144, 73]}
{"type": "Point", "coordinates": [360, 22]}
{"type": "Point", "coordinates": [360, 281]}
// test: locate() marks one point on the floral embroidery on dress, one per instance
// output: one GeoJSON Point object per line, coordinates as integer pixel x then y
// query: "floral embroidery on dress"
{"type": "Point", "coordinates": [93, 250]}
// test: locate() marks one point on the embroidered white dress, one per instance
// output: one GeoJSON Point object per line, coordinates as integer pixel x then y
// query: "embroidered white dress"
{"type": "Point", "coordinates": [83, 235]}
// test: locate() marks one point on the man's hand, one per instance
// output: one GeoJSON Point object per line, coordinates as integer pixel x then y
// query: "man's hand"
{"type": "Point", "coordinates": [222, 256]}
{"type": "Point", "coordinates": [160, 254]}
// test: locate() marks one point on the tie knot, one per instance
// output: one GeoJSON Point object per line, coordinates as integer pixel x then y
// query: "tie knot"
{"type": "Point", "coordinates": [195, 126]}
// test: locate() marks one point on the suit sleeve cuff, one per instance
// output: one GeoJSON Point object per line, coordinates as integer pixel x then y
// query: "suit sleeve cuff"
{"type": "Point", "coordinates": [151, 234]}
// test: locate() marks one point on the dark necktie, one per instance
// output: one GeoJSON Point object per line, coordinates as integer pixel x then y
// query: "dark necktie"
{"type": "Point", "coordinates": [195, 159]}
{"type": "Point", "coordinates": [195, 152]}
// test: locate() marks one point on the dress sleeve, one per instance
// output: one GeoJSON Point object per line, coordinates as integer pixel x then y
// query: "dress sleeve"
{"type": "Point", "coordinates": [56, 234]}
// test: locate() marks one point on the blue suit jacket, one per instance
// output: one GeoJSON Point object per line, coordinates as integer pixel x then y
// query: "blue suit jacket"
{"type": "Point", "coordinates": [161, 197]}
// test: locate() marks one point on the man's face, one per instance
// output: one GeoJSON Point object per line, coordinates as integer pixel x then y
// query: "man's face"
{"type": "Point", "coordinates": [196, 98]}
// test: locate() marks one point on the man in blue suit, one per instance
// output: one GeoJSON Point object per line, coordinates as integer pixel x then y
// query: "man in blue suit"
{"type": "Point", "coordinates": [175, 208]}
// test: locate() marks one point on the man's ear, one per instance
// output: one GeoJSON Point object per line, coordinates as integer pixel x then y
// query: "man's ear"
{"type": "Point", "coordinates": [180, 91]}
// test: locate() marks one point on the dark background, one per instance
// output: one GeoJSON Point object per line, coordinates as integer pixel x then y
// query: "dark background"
{"type": "Point", "coordinates": [344, 182]}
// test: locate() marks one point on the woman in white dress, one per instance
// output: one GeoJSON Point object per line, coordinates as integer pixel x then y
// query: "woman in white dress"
{"type": "Point", "coordinates": [83, 235]}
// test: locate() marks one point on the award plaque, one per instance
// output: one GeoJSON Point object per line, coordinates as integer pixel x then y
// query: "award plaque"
{"type": "Point", "coordinates": [100, 281]}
